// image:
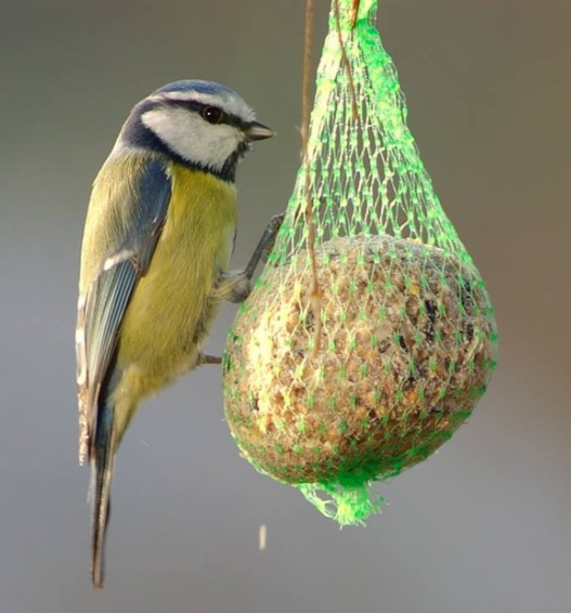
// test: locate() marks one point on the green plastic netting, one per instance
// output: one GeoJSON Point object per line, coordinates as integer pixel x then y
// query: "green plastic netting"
{"type": "Point", "coordinates": [334, 389]}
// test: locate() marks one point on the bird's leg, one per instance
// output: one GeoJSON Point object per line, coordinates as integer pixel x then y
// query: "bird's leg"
{"type": "Point", "coordinates": [204, 358]}
{"type": "Point", "coordinates": [242, 280]}
{"type": "Point", "coordinates": [236, 286]}
{"type": "Point", "coordinates": [265, 244]}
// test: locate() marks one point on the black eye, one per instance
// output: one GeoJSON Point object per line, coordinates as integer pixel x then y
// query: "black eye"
{"type": "Point", "coordinates": [212, 114]}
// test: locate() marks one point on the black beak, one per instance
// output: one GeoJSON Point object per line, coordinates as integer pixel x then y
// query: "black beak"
{"type": "Point", "coordinates": [258, 131]}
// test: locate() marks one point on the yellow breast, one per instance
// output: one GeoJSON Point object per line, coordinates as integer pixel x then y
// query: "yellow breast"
{"type": "Point", "coordinates": [173, 305]}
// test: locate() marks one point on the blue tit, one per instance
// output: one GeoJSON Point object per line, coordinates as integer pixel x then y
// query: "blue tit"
{"type": "Point", "coordinates": [159, 233]}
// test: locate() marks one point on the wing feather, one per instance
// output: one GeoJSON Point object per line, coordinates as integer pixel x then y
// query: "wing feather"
{"type": "Point", "coordinates": [136, 215]}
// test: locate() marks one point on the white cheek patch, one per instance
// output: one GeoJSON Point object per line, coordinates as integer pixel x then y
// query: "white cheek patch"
{"type": "Point", "coordinates": [189, 136]}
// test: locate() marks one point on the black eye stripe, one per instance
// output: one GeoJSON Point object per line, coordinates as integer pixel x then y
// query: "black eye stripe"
{"type": "Point", "coordinates": [199, 107]}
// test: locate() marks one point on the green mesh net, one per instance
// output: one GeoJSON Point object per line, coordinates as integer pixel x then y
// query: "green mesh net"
{"type": "Point", "coordinates": [330, 390]}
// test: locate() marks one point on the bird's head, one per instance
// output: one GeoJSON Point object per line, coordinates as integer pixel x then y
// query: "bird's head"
{"type": "Point", "coordinates": [200, 124]}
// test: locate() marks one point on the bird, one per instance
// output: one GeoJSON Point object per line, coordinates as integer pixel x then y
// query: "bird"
{"type": "Point", "coordinates": [158, 236]}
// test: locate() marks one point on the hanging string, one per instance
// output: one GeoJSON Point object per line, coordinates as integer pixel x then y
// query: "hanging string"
{"type": "Point", "coordinates": [344, 58]}
{"type": "Point", "coordinates": [315, 296]}
{"type": "Point", "coordinates": [355, 7]}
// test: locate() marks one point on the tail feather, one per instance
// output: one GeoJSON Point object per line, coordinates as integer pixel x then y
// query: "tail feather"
{"type": "Point", "coordinates": [102, 464]}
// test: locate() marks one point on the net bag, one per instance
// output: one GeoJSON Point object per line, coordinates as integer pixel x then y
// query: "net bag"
{"type": "Point", "coordinates": [369, 337]}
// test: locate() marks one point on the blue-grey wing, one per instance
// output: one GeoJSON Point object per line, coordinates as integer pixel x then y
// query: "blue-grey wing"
{"type": "Point", "coordinates": [138, 222]}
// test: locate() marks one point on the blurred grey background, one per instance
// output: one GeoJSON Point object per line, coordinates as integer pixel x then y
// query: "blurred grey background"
{"type": "Point", "coordinates": [483, 526]}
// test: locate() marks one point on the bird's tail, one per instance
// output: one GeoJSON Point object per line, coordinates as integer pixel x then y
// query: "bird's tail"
{"type": "Point", "coordinates": [102, 464]}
